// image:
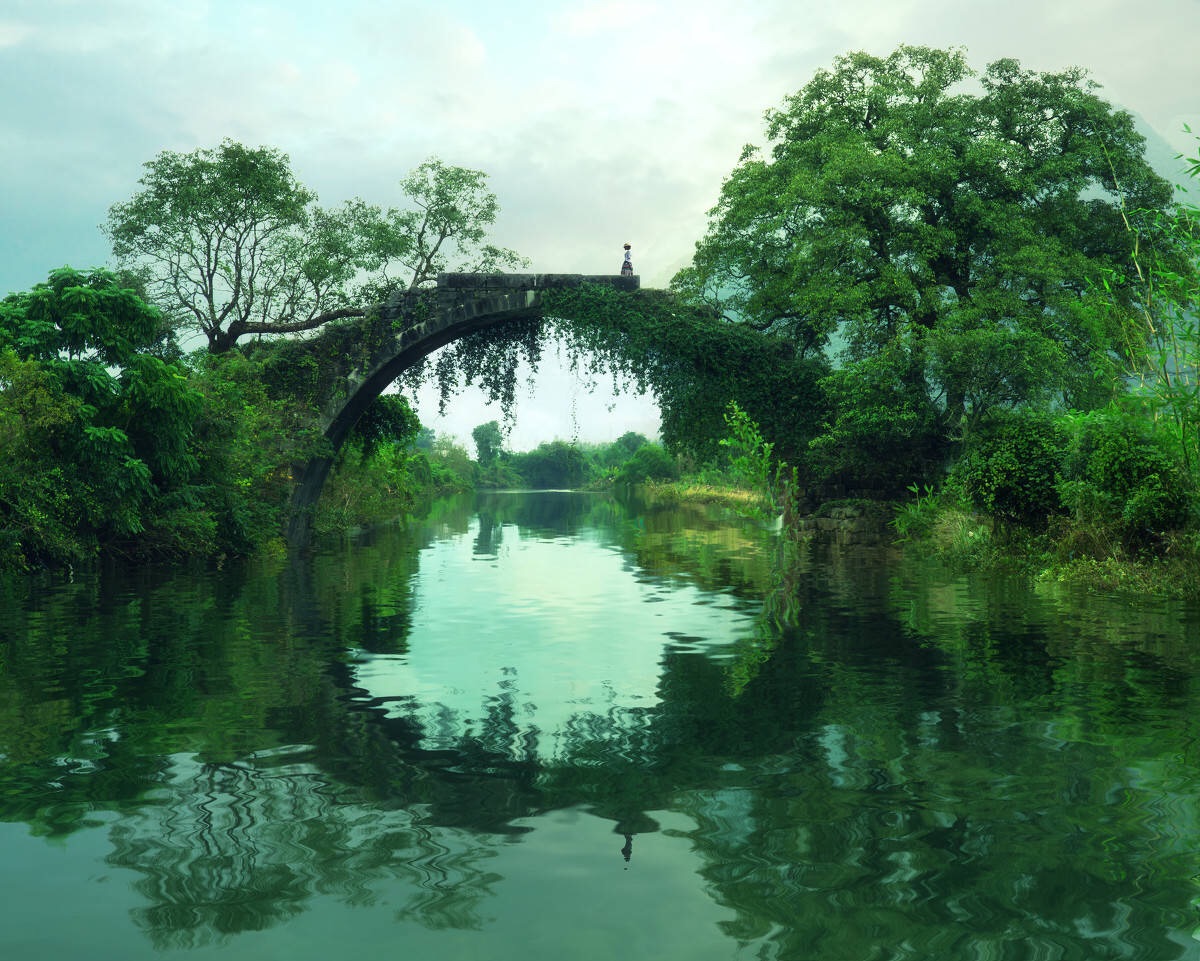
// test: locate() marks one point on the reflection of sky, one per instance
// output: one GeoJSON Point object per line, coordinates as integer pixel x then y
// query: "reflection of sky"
{"type": "Point", "coordinates": [544, 628]}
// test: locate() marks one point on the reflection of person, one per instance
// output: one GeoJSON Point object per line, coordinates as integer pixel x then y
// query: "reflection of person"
{"type": "Point", "coordinates": [627, 266]}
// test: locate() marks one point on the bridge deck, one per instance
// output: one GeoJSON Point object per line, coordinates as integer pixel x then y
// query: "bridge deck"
{"type": "Point", "coordinates": [534, 281]}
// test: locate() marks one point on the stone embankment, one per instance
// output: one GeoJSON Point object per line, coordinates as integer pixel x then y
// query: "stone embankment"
{"type": "Point", "coordinates": [847, 524]}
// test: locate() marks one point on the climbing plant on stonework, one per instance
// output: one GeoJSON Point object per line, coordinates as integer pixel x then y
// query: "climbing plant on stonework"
{"type": "Point", "coordinates": [693, 363]}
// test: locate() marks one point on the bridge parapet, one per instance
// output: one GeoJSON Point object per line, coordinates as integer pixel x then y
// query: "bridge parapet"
{"type": "Point", "coordinates": [457, 281]}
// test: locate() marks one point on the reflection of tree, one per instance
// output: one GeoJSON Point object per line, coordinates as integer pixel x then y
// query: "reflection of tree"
{"type": "Point", "coordinates": [938, 800]}
{"type": "Point", "coordinates": [489, 535]}
{"type": "Point", "coordinates": [235, 848]}
{"type": "Point", "coordinates": [550, 513]}
{"type": "Point", "coordinates": [895, 759]}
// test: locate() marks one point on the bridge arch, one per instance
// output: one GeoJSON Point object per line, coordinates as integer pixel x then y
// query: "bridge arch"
{"type": "Point", "coordinates": [419, 323]}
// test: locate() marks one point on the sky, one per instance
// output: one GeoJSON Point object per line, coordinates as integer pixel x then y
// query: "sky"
{"type": "Point", "coordinates": [597, 123]}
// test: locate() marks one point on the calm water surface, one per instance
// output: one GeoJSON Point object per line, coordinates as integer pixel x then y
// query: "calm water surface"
{"type": "Point", "coordinates": [547, 726]}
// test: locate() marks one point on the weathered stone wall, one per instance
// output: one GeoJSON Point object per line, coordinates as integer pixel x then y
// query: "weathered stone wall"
{"type": "Point", "coordinates": [847, 525]}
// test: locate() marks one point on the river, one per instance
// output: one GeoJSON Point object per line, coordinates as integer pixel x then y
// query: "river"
{"type": "Point", "coordinates": [549, 726]}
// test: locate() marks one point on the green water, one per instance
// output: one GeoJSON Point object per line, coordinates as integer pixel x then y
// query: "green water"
{"type": "Point", "coordinates": [542, 726]}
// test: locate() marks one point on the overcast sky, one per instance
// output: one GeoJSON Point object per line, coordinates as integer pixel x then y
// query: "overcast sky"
{"type": "Point", "coordinates": [597, 122]}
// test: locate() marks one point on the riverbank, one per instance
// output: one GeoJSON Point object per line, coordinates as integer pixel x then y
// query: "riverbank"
{"type": "Point", "coordinates": [1064, 554]}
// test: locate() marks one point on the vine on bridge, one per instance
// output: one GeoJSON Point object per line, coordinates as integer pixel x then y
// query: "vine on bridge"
{"type": "Point", "coordinates": [692, 362]}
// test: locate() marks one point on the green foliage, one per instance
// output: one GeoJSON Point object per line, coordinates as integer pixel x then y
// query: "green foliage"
{"type": "Point", "coordinates": [751, 462]}
{"type": "Point", "coordinates": [555, 465]}
{"type": "Point", "coordinates": [914, 519]}
{"type": "Point", "coordinates": [446, 228]}
{"type": "Point", "coordinates": [694, 363]}
{"type": "Point", "coordinates": [388, 421]}
{"type": "Point", "coordinates": [100, 433]}
{"type": "Point", "coordinates": [489, 442]}
{"type": "Point", "coordinates": [496, 470]}
{"type": "Point", "coordinates": [231, 244]}
{"type": "Point", "coordinates": [499, 475]}
{"type": "Point", "coordinates": [954, 233]}
{"type": "Point", "coordinates": [40, 512]}
{"type": "Point", "coordinates": [425, 438]}
{"type": "Point", "coordinates": [450, 467]}
{"type": "Point", "coordinates": [365, 487]}
{"type": "Point", "coordinates": [749, 453]}
{"type": "Point", "coordinates": [489, 358]}
{"type": "Point", "coordinates": [1012, 467]}
{"type": "Point", "coordinates": [650, 462]}
{"type": "Point", "coordinates": [622, 448]}
{"type": "Point", "coordinates": [883, 431]}
{"type": "Point", "coordinates": [1124, 477]}
{"type": "Point", "coordinates": [97, 316]}
{"type": "Point", "coordinates": [246, 444]}
{"type": "Point", "coordinates": [1163, 328]}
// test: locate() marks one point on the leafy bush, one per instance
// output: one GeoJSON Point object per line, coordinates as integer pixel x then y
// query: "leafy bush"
{"type": "Point", "coordinates": [99, 430]}
{"type": "Point", "coordinates": [1123, 473]}
{"type": "Point", "coordinates": [367, 487]}
{"type": "Point", "coordinates": [451, 469]}
{"type": "Point", "coordinates": [649, 462]}
{"type": "Point", "coordinates": [1011, 468]}
{"type": "Point", "coordinates": [246, 443]}
{"type": "Point", "coordinates": [883, 433]}
{"type": "Point", "coordinates": [554, 464]}
{"type": "Point", "coordinates": [498, 475]}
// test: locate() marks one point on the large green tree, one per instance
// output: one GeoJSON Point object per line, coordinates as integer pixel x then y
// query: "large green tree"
{"type": "Point", "coordinates": [229, 243]}
{"type": "Point", "coordinates": [445, 227]}
{"type": "Point", "coordinates": [489, 442]}
{"type": "Point", "coordinates": [97, 430]}
{"type": "Point", "coordinates": [949, 229]}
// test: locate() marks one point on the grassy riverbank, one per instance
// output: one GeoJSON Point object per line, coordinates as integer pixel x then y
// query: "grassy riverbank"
{"type": "Point", "coordinates": [1066, 552]}
{"type": "Point", "coordinates": [695, 492]}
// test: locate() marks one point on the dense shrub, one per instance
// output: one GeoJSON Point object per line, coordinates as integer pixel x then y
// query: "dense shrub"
{"type": "Point", "coordinates": [451, 469]}
{"type": "Point", "coordinates": [555, 464]}
{"type": "Point", "coordinates": [649, 462]}
{"type": "Point", "coordinates": [1012, 467]}
{"type": "Point", "coordinates": [883, 434]}
{"type": "Point", "coordinates": [1120, 472]}
{"type": "Point", "coordinates": [498, 475]}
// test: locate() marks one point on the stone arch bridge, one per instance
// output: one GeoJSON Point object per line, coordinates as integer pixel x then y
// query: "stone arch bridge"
{"type": "Point", "coordinates": [418, 323]}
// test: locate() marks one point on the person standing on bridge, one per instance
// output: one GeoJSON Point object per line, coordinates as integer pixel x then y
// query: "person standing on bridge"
{"type": "Point", "coordinates": [627, 266]}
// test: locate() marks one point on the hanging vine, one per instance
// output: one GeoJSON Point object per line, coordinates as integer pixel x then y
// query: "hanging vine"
{"type": "Point", "coordinates": [692, 362]}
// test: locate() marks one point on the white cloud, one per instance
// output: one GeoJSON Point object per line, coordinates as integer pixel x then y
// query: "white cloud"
{"type": "Point", "coordinates": [14, 34]}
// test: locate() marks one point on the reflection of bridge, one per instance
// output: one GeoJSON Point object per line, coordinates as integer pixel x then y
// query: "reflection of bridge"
{"type": "Point", "coordinates": [419, 323]}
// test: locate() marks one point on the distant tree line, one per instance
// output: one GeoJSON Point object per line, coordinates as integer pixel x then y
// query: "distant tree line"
{"type": "Point", "coordinates": [566, 465]}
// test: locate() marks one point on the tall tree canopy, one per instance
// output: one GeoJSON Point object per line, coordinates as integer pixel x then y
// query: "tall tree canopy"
{"type": "Point", "coordinates": [489, 442]}
{"type": "Point", "coordinates": [96, 429]}
{"type": "Point", "coordinates": [229, 243]}
{"type": "Point", "coordinates": [446, 228]}
{"type": "Point", "coordinates": [950, 227]}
